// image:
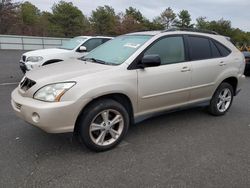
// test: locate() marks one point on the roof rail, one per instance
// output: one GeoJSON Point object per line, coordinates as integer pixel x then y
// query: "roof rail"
{"type": "Point", "coordinates": [192, 30]}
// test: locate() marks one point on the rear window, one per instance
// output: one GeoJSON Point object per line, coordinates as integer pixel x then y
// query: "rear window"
{"type": "Point", "coordinates": [105, 40]}
{"type": "Point", "coordinates": [199, 48]}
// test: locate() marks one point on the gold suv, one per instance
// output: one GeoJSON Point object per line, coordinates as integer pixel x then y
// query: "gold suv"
{"type": "Point", "coordinates": [131, 76]}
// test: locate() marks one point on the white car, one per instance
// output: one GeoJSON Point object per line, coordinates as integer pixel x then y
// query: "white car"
{"type": "Point", "coordinates": [74, 48]}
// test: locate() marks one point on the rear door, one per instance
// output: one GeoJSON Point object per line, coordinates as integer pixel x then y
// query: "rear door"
{"type": "Point", "coordinates": [207, 64]}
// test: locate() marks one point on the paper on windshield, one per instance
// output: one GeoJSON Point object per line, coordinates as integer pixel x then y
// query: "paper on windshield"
{"type": "Point", "coordinates": [132, 45]}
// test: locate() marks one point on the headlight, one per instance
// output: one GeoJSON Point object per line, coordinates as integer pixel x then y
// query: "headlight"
{"type": "Point", "coordinates": [53, 92]}
{"type": "Point", "coordinates": [34, 58]}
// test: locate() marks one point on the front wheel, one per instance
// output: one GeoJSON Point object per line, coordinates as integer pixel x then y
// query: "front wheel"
{"type": "Point", "coordinates": [221, 100]}
{"type": "Point", "coordinates": [103, 125]}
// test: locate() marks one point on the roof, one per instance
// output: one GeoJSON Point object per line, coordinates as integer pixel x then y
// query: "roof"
{"type": "Point", "coordinates": [145, 33]}
{"type": "Point", "coordinates": [175, 31]}
{"type": "Point", "coordinates": [192, 30]}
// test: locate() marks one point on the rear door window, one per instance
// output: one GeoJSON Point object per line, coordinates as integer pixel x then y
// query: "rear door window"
{"type": "Point", "coordinates": [215, 51]}
{"type": "Point", "coordinates": [105, 40]}
{"type": "Point", "coordinates": [92, 44]}
{"type": "Point", "coordinates": [199, 48]}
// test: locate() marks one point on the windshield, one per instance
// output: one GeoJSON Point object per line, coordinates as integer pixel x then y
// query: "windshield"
{"type": "Point", "coordinates": [72, 43]}
{"type": "Point", "coordinates": [118, 50]}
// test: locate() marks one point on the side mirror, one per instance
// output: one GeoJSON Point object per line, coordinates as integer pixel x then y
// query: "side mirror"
{"type": "Point", "coordinates": [150, 61]}
{"type": "Point", "coordinates": [82, 49]}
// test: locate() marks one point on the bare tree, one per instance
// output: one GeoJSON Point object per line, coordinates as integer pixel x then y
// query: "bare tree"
{"type": "Point", "coordinates": [167, 18]}
{"type": "Point", "coordinates": [8, 16]}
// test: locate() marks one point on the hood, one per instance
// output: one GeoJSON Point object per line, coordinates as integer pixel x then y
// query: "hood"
{"type": "Point", "coordinates": [42, 52]}
{"type": "Point", "coordinates": [65, 71]}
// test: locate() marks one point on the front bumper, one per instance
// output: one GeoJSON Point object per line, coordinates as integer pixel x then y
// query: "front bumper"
{"type": "Point", "coordinates": [52, 117]}
{"type": "Point", "coordinates": [241, 79]}
{"type": "Point", "coordinates": [27, 66]}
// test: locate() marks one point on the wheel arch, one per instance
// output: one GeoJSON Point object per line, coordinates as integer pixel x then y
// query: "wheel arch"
{"type": "Point", "coordinates": [233, 81]}
{"type": "Point", "coordinates": [118, 97]}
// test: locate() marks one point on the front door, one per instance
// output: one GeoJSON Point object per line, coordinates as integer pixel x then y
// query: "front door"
{"type": "Point", "coordinates": [167, 85]}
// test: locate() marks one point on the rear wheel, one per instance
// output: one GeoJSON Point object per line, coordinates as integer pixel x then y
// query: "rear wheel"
{"type": "Point", "coordinates": [103, 125]}
{"type": "Point", "coordinates": [221, 100]}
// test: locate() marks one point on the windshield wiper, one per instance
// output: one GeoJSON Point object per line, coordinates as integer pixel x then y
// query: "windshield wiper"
{"type": "Point", "coordinates": [97, 61]}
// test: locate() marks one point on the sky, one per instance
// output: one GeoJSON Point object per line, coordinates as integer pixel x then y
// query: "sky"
{"type": "Point", "coordinates": [235, 10]}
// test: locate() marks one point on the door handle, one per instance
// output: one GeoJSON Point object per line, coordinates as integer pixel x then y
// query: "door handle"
{"type": "Point", "coordinates": [185, 69]}
{"type": "Point", "coordinates": [222, 63]}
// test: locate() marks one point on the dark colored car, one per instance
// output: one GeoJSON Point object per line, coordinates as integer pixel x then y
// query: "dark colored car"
{"type": "Point", "coordinates": [247, 57]}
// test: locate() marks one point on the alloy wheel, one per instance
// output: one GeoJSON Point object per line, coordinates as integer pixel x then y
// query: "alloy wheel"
{"type": "Point", "coordinates": [224, 100]}
{"type": "Point", "coordinates": [106, 127]}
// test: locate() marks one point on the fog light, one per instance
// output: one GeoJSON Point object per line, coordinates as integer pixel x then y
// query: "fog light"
{"type": "Point", "coordinates": [35, 117]}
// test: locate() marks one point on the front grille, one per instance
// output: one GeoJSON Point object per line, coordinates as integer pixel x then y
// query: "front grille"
{"type": "Point", "coordinates": [27, 84]}
{"type": "Point", "coordinates": [24, 58]}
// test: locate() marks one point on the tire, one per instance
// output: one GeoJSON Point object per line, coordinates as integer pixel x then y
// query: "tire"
{"type": "Point", "coordinates": [98, 128]}
{"type": "Point", "coordinates": [221, 100]}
